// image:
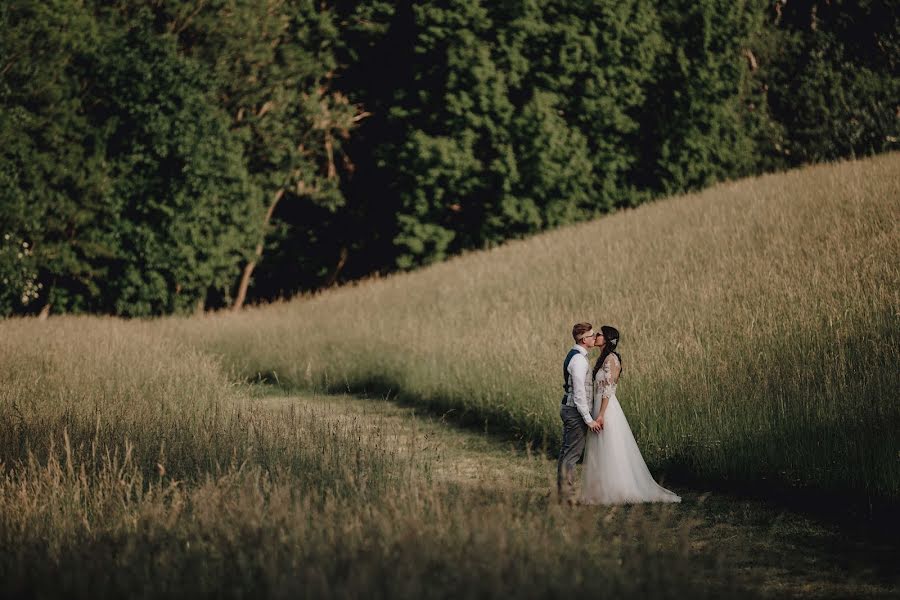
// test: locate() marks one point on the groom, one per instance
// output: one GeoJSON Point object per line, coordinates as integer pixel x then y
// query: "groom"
{"type": "Point", "coordinates": [575, 411]}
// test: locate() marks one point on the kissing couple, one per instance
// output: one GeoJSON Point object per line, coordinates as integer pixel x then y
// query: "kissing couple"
{"type": "Point", "coordinates": [593, 423]}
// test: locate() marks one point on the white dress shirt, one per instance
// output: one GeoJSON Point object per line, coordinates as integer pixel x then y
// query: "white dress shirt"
{"type": "Point", "coordinates": [578, 376]}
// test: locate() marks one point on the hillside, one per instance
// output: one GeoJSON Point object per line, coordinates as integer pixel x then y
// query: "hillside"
{"type": "Point", "coordinates": [759, 323]}
{"type": "Point", "coordinates": [760, 350]}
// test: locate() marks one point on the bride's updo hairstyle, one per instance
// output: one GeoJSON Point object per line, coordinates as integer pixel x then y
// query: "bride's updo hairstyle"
{"type": "Point", "coordinates": [611, 337]}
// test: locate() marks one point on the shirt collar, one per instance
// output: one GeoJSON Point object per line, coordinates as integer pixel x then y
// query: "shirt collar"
{"type": "Point", "coordinates": [580, 349]}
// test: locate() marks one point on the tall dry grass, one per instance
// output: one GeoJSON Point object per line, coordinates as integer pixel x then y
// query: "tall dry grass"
{"type": "Point", "coordinates": [129, 466]}
{"type": "Point", "coordinates": [759, 325]}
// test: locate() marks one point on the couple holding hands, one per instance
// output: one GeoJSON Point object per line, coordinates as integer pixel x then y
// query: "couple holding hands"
{"type": "Point", "coordinates": [593, 423]}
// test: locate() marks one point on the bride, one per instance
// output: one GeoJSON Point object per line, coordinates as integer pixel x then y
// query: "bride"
{"type": "Point", "coordinates": [614, 470]}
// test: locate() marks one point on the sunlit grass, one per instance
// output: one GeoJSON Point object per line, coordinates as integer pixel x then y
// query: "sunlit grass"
{"type": "Point", "coordinates": [760, 346]}
{"type": "Point", "coordinates": [759, 326]}
{"type": "Point", "coordinates": [131, 467]}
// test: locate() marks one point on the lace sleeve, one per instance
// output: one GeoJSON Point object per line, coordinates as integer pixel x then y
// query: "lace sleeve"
{"type": "Point", "coordinates": [608, 376]}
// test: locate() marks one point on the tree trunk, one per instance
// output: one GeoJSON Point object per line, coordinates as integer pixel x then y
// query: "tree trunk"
{"type": "Point", "coordinates": [342, 260]}
{"type": "Point", "coordinates": [248, 269]}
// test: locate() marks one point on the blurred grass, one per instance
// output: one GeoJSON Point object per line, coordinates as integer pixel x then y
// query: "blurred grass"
{"type": "Point", "coordinates": [759, 322]}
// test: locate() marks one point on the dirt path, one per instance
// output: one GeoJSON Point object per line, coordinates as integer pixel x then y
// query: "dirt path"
{"type": "Point", "coordinates": [780, 553]}
{"type": "Point", "coordinates": [451, 455]}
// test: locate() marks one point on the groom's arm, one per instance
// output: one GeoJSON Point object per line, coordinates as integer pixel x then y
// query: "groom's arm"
{"type": "Point", "coordinates": [579, 375]}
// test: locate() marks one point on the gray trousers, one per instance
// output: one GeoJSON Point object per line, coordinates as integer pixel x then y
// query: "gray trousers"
{"type": "Point", "coordinates": [574, 435]}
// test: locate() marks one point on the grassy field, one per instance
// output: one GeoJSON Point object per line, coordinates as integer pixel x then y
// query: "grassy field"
{"type": "Point", "coordinates": [759, 326]}
{"type": "Point", "coordinates": [131, 467]}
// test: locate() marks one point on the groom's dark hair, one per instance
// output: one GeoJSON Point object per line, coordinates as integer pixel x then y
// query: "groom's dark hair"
{"type": "Point", "coordinates": [579, 329]}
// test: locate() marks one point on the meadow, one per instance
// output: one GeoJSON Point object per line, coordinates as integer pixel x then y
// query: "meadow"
{"type": "Point", "coordinates": [759, 326]}
{"type": "Point", "coordinates": [132, 467]}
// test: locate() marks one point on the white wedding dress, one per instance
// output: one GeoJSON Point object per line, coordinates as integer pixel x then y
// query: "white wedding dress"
{"type": "Point", "coordinates": [614, 470]}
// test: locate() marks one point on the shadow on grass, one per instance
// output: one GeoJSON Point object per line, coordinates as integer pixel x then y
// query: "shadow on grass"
{"type": "Point", "coordinates": [820, 495]}
{"type": "Point", "coordinates": [856, 512]}
{"type": "Point", "coordinates": [819, 557]}
{"type": "Point", "coordinates": [819, 544]}
{"type": "Point", "coordinates": [489, 420]}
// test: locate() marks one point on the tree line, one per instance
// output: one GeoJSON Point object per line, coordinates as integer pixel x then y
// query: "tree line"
{"type": "Point", "coordinates": [161, 156]}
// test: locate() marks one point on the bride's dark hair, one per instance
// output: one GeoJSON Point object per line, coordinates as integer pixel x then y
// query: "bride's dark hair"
{"type": "Point", "coordinates": [611, 337]}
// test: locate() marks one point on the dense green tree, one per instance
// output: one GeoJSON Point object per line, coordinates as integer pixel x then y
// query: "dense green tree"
{"type": "Point", "coordinates": [834, 77]}
{"type": "Point", "coordinates": [273, 64]}
{"type": "Point", "coordinates": [53, 176]}
{"type": "Point", "coordinates": [597, 59]}
{"type": "Point", "coordinates": [154, 153]}
{"type": "Point", "coordinates": [516, 116]}
{"type": "Point", "coordinates": [186, 212]}
{"type": "Point", "coordinates": [553, 160]}
{"type": "Point", "coordinates": [122, 176]}
{"type": "Point", "coordinates": [499, 119]}
{"type": "Point", "coordinates": [698, 126]}
{"type": "Point", "coordinates": [454, 165]}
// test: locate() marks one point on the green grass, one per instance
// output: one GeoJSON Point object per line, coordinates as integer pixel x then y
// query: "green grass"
{"type": "Point", "coordinates": [759, 322]}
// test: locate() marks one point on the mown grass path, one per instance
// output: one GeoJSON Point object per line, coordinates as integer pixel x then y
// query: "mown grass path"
{"type": "Point", "coordinates": [766, 548]}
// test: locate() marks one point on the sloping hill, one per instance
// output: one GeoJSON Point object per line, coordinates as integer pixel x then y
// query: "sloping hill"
{"type": "Point", "coordinates": [759, 324]}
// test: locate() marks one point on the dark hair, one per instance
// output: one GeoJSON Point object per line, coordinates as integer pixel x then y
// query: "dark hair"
{"type": "Point", "coordinates": [579, 329]}
{"type": "Point", "coordinates": [611, 336]}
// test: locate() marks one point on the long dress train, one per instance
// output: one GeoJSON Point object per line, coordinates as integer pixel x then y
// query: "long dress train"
{"type": "Point", "coordinates": [614, 470]}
